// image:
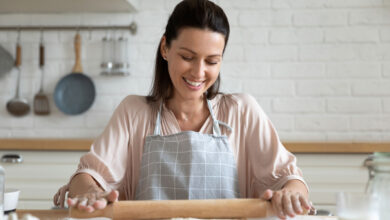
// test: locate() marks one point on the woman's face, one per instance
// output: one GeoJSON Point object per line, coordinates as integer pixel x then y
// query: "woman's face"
{"type": "Point", "coordinates": [194, 61]}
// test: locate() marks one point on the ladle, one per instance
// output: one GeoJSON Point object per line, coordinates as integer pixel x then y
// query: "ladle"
{"type": "Point", "coordinates": [18, 106]}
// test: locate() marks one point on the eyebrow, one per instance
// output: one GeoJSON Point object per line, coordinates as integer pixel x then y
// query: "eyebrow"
{"type": "Point", "coordinates": [193, 52]}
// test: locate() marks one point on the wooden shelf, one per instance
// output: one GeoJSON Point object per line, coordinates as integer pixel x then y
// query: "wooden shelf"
{"type": "Point", "coordinates": [46, 144]}
{"type": "Point", "coordinates": [67, 6]}
{"type": "Point", "coordinates": [295, 147]}
{"type": "Point", "coordinates": [337, 147]}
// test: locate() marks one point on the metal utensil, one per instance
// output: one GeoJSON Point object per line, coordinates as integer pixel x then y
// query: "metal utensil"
{"type": "Point", "coordinates": [6, 61]}
{"type": "Point", "coordinates": [41, 102]}
{"type": "Point", "coordinates": [18, 106]}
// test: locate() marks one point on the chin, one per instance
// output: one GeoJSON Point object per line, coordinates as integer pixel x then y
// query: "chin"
{"type": "Point", "coordinates": [194, 96]}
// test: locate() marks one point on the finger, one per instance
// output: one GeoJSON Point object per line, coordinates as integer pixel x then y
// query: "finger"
{"type": "Point", "coordinates": [296, 204]}
{"type": "Point", "coordinates": [267, 195]}
{"type": "Point", "coordinates": [89, 208]}
{"type": "Point", "coordinates": [62, 199]}
{"type": "Point", "coordinates": [82, 203]}
{"type": "Point", "coordinates": [55, 199]}
{"type": "Point", "coordinates": [100, 203]}
{"type": "Point", "coordinates": [112, 196]}
{"type": "Point", "coordinates": [313, 210]}
{"type": "Point", "coordinates": [277, 205]}
{"type": "Point", "coordinates": [91, 200]}
{"type": "Point", "coordinates": [102, 194]}
{"type": "Point", "coordinates": [71, 202]}
{"type": "Point", "coordinates": [287, 205]}
{"type": "Point", "coordinates": [304, 202]}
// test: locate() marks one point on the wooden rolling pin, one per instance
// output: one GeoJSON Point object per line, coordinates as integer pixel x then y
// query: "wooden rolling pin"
{"type": "Point", "coordinates": [163, 209]}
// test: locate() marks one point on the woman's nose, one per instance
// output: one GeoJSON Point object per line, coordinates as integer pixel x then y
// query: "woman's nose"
{"type": "Point", "coordinates": [198, 69]}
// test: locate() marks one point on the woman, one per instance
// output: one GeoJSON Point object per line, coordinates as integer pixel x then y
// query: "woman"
{"type": "Point", "coordinates": [186, 140]}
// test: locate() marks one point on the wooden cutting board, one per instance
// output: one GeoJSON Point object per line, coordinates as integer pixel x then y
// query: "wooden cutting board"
{"type": "Point", "coordinates": [164, 209]}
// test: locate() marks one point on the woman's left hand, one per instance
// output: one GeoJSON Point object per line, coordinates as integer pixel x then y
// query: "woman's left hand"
{"type": "Point", "coordinates": [286, 202]}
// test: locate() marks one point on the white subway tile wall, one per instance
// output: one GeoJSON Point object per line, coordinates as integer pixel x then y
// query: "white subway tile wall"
{"type": "Point", "coordinates": [320, 69]}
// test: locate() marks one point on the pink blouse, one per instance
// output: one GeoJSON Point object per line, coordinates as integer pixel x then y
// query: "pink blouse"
{"type": "Point", "coordinates": [262, 161]}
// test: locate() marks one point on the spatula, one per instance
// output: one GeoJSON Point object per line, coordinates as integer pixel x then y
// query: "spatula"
{"type": "Point", "coordinates": [165, 209]}
{"type": "Point", "coordinates": [41, 102]}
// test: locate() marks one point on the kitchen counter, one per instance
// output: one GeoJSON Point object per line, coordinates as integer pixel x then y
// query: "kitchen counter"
{"type": "Point", "coordinates": [295, 147]}
{"type": "Point", "coordinates": [44, 214]}
{"type": "Point", "coordinates": [63, 213]}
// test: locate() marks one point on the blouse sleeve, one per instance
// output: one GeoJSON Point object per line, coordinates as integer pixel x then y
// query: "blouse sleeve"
{"type": "Point", "coordinates": [106, 161]}
{"type": "Point", "coordinates": [271, 165]}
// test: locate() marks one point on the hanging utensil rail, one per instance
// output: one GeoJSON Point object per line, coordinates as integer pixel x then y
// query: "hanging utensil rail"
{"type": "Point", "coordinates": [132, 28]}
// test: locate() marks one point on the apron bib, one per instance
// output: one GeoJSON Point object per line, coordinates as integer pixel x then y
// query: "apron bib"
{"type": "Point", "coordinates": [187, 165]}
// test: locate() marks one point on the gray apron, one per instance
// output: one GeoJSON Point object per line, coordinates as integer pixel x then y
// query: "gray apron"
{"type": "Point", "coordinates": [187, 165]}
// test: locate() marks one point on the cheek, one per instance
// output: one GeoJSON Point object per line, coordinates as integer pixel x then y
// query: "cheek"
{"type": "Point", "coordinates": [212, 78]}
{"type": "Point", "coordinates": [177, 68]}
{"type": "Point", "coordinates": [214, 73]}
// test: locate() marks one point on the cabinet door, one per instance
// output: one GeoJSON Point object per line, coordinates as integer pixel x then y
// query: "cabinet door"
{"type": "Point", "coordinates": [39, 175]}
{"type": "Point", "coordinates": [327, 174]}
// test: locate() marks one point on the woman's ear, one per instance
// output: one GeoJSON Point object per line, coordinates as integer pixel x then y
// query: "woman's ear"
{"type": "Point", "coordinates": [163, 48]}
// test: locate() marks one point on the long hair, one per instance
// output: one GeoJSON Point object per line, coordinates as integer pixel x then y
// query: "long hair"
{"type": "Point", "coordinates": [201, 14]}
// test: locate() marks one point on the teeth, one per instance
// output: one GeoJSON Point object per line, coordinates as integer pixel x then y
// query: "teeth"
{"type": "Point", "coordinates": [192, 83]}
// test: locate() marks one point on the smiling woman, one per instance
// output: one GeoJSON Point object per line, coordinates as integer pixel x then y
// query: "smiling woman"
{"type": "Point", "coordinates": [186, 140]}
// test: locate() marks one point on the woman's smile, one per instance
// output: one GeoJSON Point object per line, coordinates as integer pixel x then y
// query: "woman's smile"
{"type": "Point", "coordinates": [194, 85]}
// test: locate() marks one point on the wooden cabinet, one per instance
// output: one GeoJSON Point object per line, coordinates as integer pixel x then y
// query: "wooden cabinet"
{"type": "Point", "coordinates": [39, 175]}
{"type": "Point", "coordinates": [42, 172]}
{"type": "Point", "coordinates": [327, 174]}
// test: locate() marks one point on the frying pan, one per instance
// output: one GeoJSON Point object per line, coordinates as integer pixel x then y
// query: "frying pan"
{"type": "Point", "coordinates": [75, 92]}
{"type": "Point", "coordinates": [6, 61]}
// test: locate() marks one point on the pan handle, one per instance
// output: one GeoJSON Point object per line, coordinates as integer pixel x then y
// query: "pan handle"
{"type": "Point", "coordinates": [77, 49]}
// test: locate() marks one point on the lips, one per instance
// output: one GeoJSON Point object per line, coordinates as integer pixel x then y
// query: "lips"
{"type": "Point", "coordinates": [193, 83]}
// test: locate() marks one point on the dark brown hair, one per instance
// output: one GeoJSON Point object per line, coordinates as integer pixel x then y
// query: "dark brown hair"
{"type": "Point", "coordinates": [201, 14]}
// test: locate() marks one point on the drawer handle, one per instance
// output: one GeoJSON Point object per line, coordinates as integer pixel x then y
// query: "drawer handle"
{"type": "Point", "coordinates": [11, 158]}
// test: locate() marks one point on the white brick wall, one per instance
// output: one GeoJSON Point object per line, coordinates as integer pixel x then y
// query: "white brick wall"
{"type": "Point", "coordinates": [320, 69]}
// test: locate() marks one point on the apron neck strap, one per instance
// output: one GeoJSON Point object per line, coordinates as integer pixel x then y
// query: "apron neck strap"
{"type": "Point", "coordinates": [158, 121]}
{"type": "Point", "coordinates": [216, 129]}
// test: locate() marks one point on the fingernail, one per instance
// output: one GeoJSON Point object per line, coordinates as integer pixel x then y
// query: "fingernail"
{"type": "Point", "coordinates": [89, 209]}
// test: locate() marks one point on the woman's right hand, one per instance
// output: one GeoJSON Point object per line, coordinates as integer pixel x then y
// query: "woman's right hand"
{"type": "Point", "coordinates": [92, 201]}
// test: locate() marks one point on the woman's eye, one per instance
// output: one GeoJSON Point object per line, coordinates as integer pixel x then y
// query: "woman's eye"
{"type": "Point", "coordinates": [186, 58]}
{"type": "Point", "coordinates": [212, 62]}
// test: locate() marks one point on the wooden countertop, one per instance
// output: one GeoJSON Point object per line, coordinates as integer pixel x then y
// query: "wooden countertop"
{"type": "Point", "coordinates": [295, 147]}
{"type": "Point", "coordinates": [63, 213]}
